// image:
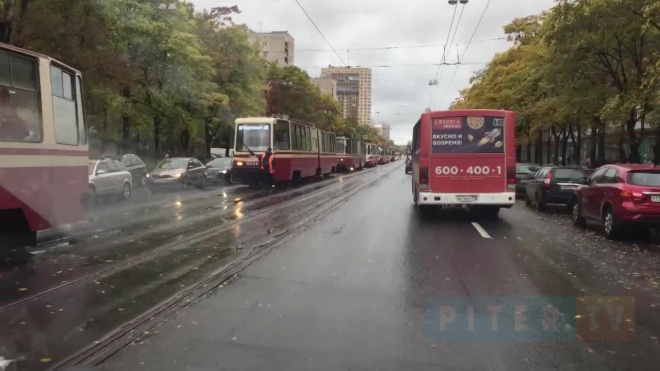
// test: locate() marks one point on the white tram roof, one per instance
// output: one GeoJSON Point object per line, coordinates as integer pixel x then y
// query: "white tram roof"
{"type": "Point", "coordinates": [256, 120]}
{"type": "Point", "coordinates": [37, 55]}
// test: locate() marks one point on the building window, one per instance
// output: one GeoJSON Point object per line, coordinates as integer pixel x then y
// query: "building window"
{"type": "Point", "coordinates": [265, 43]}
{"type": "Point", "coordinates": [265, 54]}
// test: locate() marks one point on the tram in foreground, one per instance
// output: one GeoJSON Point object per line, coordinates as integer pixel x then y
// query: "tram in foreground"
{"type": "Point", "coordinates": [43, 145]}
{"type": "Point", "coordinates": [299, 150]}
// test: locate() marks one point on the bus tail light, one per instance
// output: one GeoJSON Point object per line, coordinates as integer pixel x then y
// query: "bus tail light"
{"type": "Point", "coordinates": [424, 177]}
{"type": "Point", "coordinates": [511, 178]}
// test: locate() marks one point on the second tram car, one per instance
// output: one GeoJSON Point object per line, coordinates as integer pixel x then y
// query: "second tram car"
{"type": "Point", "coordinates": [349, 154]}
{"type": "Point", "coordinates": [372, 155]}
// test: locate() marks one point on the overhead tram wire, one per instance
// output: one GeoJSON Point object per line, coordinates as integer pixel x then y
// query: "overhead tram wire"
{"type": "Point", "coordinates": [320, 33]}
{"type": "Point", "coordinates": [451, 25]}
{"type": "Point", "coordinates": [465, 52]}
{"type": "Point", "coordinates": [451, 44]}
{"type": "Point", "coordinates": [395, 47]}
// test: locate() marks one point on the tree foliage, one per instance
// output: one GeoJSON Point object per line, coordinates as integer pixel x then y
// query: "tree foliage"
{"type": "Point", "coordinates": [583, 66]}
{"type": "Point", "coordinates": [161, 76]}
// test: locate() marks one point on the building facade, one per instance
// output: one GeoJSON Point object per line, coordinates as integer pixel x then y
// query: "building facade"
{"type": "Point", "coordinates": [326, 85]}
{"type": "Point", "coordinates": [383, 130]}
{"type": "Point", "coordinates": [353, 91]}
{"type": "Point", "coordinates": [276, 46]}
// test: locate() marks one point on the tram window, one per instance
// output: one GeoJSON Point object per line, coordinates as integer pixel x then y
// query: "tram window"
{"type": "Point", "coordinates": [308, 139]}
{"type": "Point", "coordinates": [5, 70]}
{"type": "Point", "coordinates": [23, 73]}
{"type": "Point", "coordinates": [20, 113]}
{"type": "Point", "coordinates": [64, 108]}
{"type": "Point", "coordinates": [297, 140]}
{"type": "Point", "coordinates": [282, 135]}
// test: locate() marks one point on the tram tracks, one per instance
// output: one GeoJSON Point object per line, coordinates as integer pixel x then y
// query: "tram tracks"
{"type": "Point", "coordinates": [131, 331]}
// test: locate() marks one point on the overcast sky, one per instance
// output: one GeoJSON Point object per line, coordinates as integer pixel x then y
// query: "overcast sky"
{"type": "Point", "coordinates": [401, 92]}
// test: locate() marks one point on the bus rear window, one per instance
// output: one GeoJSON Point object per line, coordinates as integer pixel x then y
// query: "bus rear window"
{"type": "Point", "coordinates": [644, 178]}
{"type": "Point", "coordinates": [473, 134]}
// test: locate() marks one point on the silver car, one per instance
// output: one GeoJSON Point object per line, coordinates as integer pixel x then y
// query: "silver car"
{"type": "Point", "coordinates": [109, 178]}
{"type": "Point", "coordinates": [177, 172]}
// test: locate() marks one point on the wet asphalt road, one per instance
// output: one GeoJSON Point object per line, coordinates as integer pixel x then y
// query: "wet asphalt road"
{"type": "Point", "coordinates": [127, 258]}
{"type": "Point", "coordinates": [359, 289]}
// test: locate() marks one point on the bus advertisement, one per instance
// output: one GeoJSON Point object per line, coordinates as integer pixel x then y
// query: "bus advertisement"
{"type": "Point", "coordinates": [465, 157]}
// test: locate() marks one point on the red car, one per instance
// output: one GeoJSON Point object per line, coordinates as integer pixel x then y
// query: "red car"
{"type": "Point", "coordinates": [621, 197]}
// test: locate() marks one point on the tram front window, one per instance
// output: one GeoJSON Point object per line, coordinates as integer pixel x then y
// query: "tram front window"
{"type": "Point", "coordinates": [252, 137]}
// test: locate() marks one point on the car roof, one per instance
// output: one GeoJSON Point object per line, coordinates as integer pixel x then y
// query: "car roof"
{"type": "Point", "coordinates": [633, 167]}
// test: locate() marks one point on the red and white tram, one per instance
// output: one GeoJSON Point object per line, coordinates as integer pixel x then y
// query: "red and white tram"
{"type": "Point", "coordinates": [43, 145]}
{"type": "Point", "coordinates": [372, 155]}
{"type": "Point", "coordinates": [384, 157]}
{"type": "Point", "coordinates": [299, 150]}
{"type": "Point", "coordinates": [349, 155]}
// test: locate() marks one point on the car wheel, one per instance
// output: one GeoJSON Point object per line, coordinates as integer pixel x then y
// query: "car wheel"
{"type": "Point", "coordinates": [92, 197]}
{"type": "Point", "coordinates": [578, 219]}
{"type": "Point", "coordinates": [202, 184]}
{"type": "Point", "coordinates": [143, 181]}
{"type": "Point", "coordinates": [528, 201]}
{"type": "Point", "coordinates": [126, 192]}
{"type": "Point", "coordinates": [610, 225]}
{"type": "Point", "coordinates": [540, 205]}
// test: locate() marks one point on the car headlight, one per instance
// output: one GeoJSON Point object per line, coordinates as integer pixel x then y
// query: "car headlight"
{"type": "Point", "coordinates": [148, 175]}
{"type": "Point", "coordinates": [223, 171]}
{"type": "Point", "coordinates": [176, 176]}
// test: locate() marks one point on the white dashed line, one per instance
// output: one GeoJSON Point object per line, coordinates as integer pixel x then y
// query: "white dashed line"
{"type": "Point", "coordinates": [481, 231]}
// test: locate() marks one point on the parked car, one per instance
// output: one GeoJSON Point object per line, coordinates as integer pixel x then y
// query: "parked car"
{"type": "Point", "coordinates": [218, 170]}
{"type": "Point", "coordinates": [621, 197]}
{"type": "Point", "coordinates": [408, 165]}
{"type": "Point", "coordinates": [554, 185]}
{"type": "Point", "coordinates": [177, 172]}
{"type": "Point", "coordinates": [524, 173]}
{"type": "Point", "coordinates": [109, 178]}
{"type": "Point", "coordinates": [134, 165]}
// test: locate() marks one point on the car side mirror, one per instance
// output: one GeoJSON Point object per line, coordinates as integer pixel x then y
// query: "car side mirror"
{"type": "Point", "coordinates": [101, 172]}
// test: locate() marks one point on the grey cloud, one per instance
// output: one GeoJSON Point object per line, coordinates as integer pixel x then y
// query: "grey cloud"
{"type": "Point", "coordinates": [380, 23]}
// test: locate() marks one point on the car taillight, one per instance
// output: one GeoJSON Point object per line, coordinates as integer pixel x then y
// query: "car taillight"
{"type": "Point", "coordinates": [547, 180]}
{"type": "Point", "coordinates": [424, 177]}
{"type": "Point", "coordinates": [628, 194]}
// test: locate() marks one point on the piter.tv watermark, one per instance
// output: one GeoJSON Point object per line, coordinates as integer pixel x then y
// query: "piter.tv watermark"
{"type": "Point", "coordinates": [519, 319]}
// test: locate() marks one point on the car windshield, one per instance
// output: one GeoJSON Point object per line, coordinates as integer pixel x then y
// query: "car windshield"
{"type": "Point", "coordinates": [528, 169]}
{"type": "Point", "coordinates": [220, 162]}
{"type": "Point", "coordinates": [572, 174]}
{"type": "Point", "coordinates": [644, 178]}
{"type": "Point", "coordinates": [174, 163]}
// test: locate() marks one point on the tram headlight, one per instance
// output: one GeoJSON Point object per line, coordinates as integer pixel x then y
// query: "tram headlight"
{"type": "Point", "coordinates": [239, 163]}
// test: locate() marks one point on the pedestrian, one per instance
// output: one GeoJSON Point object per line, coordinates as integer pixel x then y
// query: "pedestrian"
{"type": "Point", "coordinates": [266, 165]}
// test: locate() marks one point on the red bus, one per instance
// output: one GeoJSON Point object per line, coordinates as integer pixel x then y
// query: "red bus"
{"type": "Point", "coordinates": [299, 150]}
{"type": "Point", "coordinates": [43, 145]}
{"type": "Point", "coordinates": [465, 157]}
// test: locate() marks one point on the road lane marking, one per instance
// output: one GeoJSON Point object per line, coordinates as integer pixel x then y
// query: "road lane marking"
{"type": "Point", "coordinates": [481, 231]}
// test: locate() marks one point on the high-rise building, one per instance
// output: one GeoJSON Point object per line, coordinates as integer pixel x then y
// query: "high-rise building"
{"type": "Point", "coordinates": [276, 46]}
{"type": "Point", "coordinates": [353, 91]}
{"type": "Point", "coordinates": [326, 85]}
{"type": "Point", "coordinates": [383, 130]}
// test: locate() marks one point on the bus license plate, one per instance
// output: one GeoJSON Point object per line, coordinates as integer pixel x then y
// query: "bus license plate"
{"type": "Point", "coordinates": [655, 198]}
{"type": "Point", "coordinates": [470, 198]}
